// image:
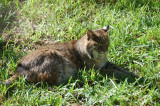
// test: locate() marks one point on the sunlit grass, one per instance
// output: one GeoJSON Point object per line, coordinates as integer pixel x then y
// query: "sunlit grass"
{"type": "Point", "coordinates": [134, 45]}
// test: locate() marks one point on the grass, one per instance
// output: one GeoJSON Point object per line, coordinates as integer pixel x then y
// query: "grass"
{"type": "Point", "coordinates": [134, 45]}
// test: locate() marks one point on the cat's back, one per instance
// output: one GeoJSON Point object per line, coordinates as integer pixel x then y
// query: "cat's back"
{"type": "Point", "coordinates": [49, 63]}
{"type": "Point", "coordinates": [65, 50]}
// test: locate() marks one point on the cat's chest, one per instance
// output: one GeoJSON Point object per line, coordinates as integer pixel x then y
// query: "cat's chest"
{"type": "Point", "coordinates": [98, 61]}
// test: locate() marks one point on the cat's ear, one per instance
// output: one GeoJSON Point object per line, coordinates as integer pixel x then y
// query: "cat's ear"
{"type": "Point", "coordinates": [90, 34]}
{"type": "Point", "coordinates": [106, 28]}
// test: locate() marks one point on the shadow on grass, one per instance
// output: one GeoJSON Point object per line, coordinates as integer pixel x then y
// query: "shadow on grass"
{"type": "Point", "coordinates": [114, 71]}
{"type": "Point", "coordinates": [6, 15]}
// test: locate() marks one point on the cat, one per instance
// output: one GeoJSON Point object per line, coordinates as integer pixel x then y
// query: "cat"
{"type": "Point", "coordinates": [56, 63]}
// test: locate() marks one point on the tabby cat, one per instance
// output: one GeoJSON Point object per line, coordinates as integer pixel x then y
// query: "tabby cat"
{"type": "Point", "coordinates": [56, 63]}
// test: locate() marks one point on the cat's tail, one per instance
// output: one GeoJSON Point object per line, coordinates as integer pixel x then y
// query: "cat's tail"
{"type": "Point", "coordinates": [10, 81]}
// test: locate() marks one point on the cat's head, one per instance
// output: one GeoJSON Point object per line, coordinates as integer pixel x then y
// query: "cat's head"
{"type": "Point", "coordinates": [97, 42]}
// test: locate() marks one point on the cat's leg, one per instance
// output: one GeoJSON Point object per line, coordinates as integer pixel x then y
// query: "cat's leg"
{"type": "Point", "coordinates": [119, 73]}
{"type": "Point", "coordinates": [113, 66]}
{"type": "Point", "coordinates": [112, 70]}
{"type": "Point", "coordinates": [120, 76]}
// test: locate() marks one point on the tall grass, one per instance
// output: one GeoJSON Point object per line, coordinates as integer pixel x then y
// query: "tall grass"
{"type": "Point", "coordinates": [134, 45]}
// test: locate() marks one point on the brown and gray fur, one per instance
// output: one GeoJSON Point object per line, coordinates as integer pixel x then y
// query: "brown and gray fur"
{"type": "Point", "coordinates": [56, 63]}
